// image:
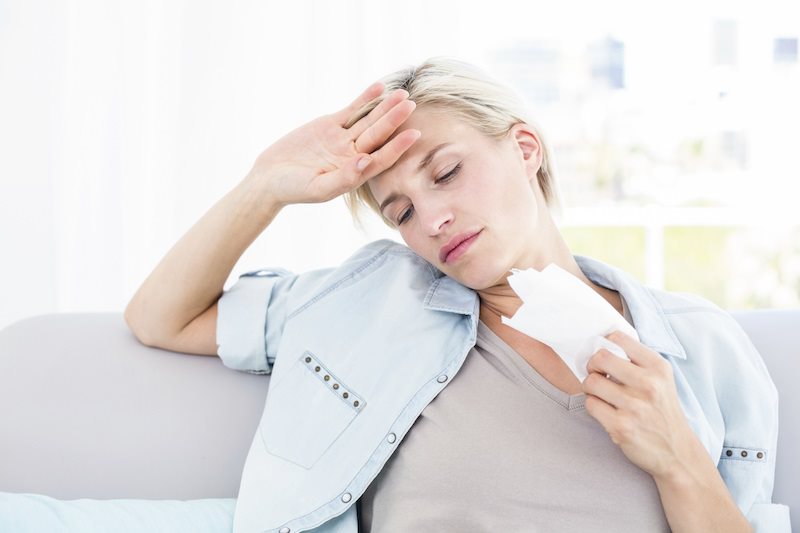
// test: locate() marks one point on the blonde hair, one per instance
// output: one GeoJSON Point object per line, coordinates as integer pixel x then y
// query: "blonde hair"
{"type": "Point", "coordinates": [469, 94]}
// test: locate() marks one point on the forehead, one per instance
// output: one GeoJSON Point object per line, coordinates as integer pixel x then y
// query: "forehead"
{"type": "Point", "coordinates": [438, 127]}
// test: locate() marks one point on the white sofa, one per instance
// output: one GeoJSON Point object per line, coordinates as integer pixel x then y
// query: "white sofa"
{"type": "Point", "coordinates": [87, 411]}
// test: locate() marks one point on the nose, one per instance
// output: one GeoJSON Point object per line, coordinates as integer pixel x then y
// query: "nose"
{"type": "Point", "coordinates": [435, 216]}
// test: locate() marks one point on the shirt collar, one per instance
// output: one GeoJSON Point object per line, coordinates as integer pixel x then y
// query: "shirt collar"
{"type": "Point", "coordinates": [648, 317]}
{"type": "Point", "coordinates": [652, 326]}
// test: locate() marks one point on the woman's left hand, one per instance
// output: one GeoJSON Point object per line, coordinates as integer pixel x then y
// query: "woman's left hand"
{"type": "Point", "coordinates": [642, 414]}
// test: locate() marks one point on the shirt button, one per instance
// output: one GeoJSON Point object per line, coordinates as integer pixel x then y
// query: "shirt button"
{"type": "Point", "coordinates": [346, 497]}
{"type": "Point", "coordinates": [728, 453]}
{"type": "Point", "coordinates": [442, 378]}
{"type": "Point", "coordinates": [392, 437]}
{"type": "Point", "coordinates": [285, 530]}
{"type": "Point", "coordinates": [744, 453]}
{"type": "Point", "coordinates": [760, 455]}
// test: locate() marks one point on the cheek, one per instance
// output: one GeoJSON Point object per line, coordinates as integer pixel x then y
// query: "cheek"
{"type": "Point", "coordinates": [495, 195]}
{"type": "Point", "coordinates": [510, 207]}
{"type": "Point", "coordinates": [483, 188]}
{"type": "Point", "coordinates": [415, 242]}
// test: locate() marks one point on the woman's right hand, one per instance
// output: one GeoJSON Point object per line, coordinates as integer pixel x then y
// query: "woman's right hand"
{"type": "Point", "coordinates": [318, 161]}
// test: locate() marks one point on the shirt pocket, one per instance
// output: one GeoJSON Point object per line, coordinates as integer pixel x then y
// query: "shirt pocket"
{"type": "Point", "coordinates": [307, 410]}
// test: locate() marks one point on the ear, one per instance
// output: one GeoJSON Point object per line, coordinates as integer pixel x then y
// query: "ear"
{"type": "Point", "coordinates": [528, 143]}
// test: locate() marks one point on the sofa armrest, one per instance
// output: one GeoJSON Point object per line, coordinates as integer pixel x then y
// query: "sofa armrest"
{"type": "Point", "coordinates": [89, 412]}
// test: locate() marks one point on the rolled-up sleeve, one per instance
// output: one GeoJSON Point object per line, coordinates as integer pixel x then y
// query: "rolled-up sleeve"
{"type": "Point", "coordinates": [750, 402]}
{"type": "Point", "coordinates": [250, 319]}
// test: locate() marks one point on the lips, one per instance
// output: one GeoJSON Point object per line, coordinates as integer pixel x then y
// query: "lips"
{"type": "Point", "coordinates": [454, 242]}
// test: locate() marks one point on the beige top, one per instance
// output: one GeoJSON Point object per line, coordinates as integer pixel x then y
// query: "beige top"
{"type": "Point", "coordinates": [502, 449]}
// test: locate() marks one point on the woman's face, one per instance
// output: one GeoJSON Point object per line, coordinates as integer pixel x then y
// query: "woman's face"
{"type": "Point", "coordinates": [472, 183]}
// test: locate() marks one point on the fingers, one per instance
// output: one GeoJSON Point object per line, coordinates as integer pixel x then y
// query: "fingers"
{"type": "Point", "coordinates": [606, 389]}
{"type": "Point", "coordinates": [380, 110]}
{"type": "Point", "coordinates": [638, 353]}
{"type": "Point", "coordinates": [350, 177]}
{"type": "Point", "coordinates": [605, 362]}
{"type": "Point", "coordinates": [374, 90]}
{"type": "Point", "coordinates": [370, 133]}
{"type": "Point", "coordinates": [374, 136]}
{"type": "Point", "coordinates": [389, 153]}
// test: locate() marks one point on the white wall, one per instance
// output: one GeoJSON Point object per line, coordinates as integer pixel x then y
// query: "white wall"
{"type": "Point", "coordinates": [121, 123]}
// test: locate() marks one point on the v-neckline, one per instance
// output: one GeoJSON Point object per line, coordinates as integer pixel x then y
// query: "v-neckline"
{"type": "Point", "coordinates": [570, 402]}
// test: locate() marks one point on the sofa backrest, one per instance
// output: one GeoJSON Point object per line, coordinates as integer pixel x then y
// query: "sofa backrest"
{"type": "Point", "coordinates": [87, 411]}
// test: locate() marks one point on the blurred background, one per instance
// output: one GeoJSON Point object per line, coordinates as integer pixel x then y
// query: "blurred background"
{"type": "Point", "coordinates": [673, 126]}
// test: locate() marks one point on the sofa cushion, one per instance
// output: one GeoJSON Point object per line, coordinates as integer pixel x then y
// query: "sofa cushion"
{"type": "Point", "coordinates": [34, 513]}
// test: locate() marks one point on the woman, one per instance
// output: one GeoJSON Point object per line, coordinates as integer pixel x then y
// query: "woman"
{"type": "Point", "coordinates": [406, 344]}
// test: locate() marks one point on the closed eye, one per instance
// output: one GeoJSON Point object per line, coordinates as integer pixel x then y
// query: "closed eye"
{"type": "Point", "coordinates": [408, 212]}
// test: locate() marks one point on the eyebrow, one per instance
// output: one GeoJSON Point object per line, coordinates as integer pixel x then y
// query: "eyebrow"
{"type": "Point", "coordinates": [422, 164]}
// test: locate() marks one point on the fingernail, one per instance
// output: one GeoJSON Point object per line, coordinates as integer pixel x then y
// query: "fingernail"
{"type": "Point", "coordinates": [363, 162]}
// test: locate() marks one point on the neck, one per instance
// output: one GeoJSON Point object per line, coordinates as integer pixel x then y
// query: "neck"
{"type": "Point", "coordinates": [501, 300]}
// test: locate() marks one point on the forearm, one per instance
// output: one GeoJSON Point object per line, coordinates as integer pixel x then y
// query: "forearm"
{"type": "Point", "coordinates": [695, 498]}
{"type": "Point", "coordinates": [191, 276]}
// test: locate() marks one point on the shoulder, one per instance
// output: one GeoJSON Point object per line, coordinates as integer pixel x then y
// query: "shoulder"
{"type": "Point", "coordinates": [387, 247]}
{"type": "Point", "coordinates": [377, 264]}
{"type": "Point", "coordinates": [697, 317]}
{"type": "Point", "coordinates": [388, 254]}
{"type": "Point", "coordinates": [716, 344]}
{"type": "Point", "coordinates": [726, 373]}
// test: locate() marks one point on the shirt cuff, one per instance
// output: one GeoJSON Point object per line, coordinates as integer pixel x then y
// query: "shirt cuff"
{"type": "Point", "coordinates": [242, 322]}
{"type": "Point", "coordinates": [770, 518]}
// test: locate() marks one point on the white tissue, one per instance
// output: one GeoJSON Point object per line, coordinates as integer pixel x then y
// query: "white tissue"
{"type": "Point", "coordinates": [566, 314]}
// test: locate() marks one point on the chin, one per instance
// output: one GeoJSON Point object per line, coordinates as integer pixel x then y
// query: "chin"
{"type": "Point", "coordinates": [475, 281]}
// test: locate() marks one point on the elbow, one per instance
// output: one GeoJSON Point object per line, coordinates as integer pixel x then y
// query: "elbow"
{"type": "Point", "coordinates": [141, 335]}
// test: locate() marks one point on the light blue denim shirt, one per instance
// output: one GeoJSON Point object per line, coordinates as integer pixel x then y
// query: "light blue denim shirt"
{"type": "Point", "coordinates": [357, 351]}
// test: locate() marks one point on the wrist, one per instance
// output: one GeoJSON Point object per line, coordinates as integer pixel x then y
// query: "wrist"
{"type": "Point", "coordinates": [255, 192]}
{"type": "Point", "coordinates": [692, 466]}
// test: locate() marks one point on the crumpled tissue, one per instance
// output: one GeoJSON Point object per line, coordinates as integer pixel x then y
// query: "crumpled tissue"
{"type": "Point", "coordinates": [566, 314]}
